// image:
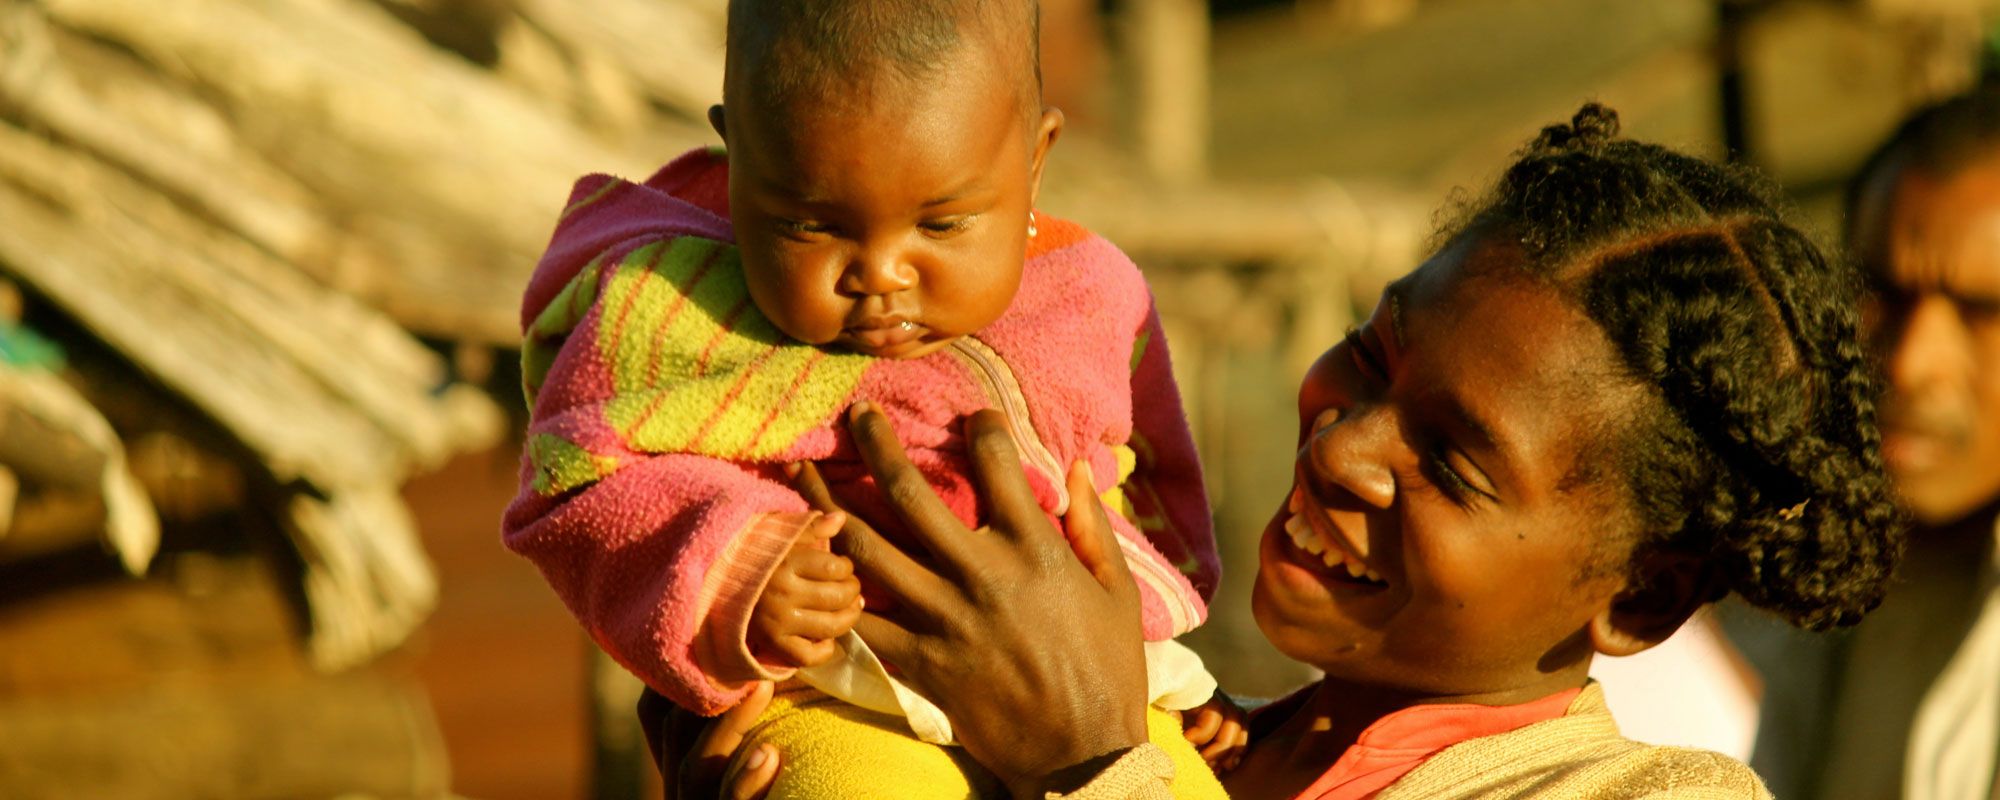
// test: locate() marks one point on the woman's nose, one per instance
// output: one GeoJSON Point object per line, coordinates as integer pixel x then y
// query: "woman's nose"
{"type": "Point", "coordinates": [1351, 450]}
{"type": "Point", "coordinates": [877, 271]}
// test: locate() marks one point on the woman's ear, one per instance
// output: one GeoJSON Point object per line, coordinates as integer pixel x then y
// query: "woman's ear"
{"type": "Point", "coordinates": [715, 121]}
{"type": "Point", "coordinates": [1666, 590]}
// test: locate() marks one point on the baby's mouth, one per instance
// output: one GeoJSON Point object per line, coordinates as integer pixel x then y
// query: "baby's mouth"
{"type": "Point", "coordinates": [880, 334]}
{"type": "Point", "coordinates": [1306, 536]}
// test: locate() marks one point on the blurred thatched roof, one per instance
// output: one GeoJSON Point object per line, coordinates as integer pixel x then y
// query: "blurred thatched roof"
{"type": "Point", "coordinates": [256, 203]}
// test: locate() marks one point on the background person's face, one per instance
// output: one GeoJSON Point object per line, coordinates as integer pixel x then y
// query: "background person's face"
{"type": "Point", "coordinates": [1933, 251]}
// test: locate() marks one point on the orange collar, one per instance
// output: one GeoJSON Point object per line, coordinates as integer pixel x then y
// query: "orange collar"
{"type": "Point", "coordinates": [1401, 741]}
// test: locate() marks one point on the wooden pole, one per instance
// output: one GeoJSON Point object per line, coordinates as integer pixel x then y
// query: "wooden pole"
{"type": "Point", "coordinates": [1166, 49]}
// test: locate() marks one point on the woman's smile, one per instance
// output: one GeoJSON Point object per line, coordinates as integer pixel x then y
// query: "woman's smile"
{"type": "Point", "coordinates": [1311, 529]}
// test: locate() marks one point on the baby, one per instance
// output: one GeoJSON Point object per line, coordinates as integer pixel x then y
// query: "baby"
{"type": "Point", "coordinates": [869, 235]}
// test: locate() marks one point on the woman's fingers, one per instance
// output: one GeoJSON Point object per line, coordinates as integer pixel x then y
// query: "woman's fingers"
{"type": "Point", "coordinates": [760, 770]}
{"type": "Point", "coordinates": [893, 642]}
{"type": "Point", "coordinates": [997, 467]}
{"type": "Point", "coordinates": [807, 481]}
{"type": "Point", "coordinates": [1093, 539]}
{"type": "Point", "coordinates": [926, 516]}
{"type": "Point", "coordinates": [825, 526]}
{"type": "Point", "coordinates": [889, 569]}
{"type": "Point", "coordinates": [702, 773]}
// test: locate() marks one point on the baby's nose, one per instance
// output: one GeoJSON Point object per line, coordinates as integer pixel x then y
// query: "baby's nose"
{"type": "Point", "coordinates": [878, 274]}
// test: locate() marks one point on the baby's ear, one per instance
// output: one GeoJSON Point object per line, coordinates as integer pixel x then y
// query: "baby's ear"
{"type": "Point", "coordinates": [1666, 590]}
{"type": "Point", "coordinates": [1047, 130]}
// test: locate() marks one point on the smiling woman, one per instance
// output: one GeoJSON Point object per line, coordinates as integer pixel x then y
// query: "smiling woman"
{"type": "Point", "coordinates": [1433, 460]}
{"type": "Point", "coordinates": [1623, 388]}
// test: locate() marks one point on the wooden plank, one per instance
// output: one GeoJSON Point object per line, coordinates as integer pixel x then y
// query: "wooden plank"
{"type": "Point", "coordinates": [111, 107]}
{"type": "Point", "coordinates": [54, 438]}
{"type": "Point", "coordinates": [671, 49]}
{"type": "Point", "coordinates": [459, 176]}
{"type": "Point", "coordinates": [368, 583]}
{"type": "Point", "coordinates": [283, 365]}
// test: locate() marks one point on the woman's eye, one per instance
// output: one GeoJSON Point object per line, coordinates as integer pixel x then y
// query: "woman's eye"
{"type": "Point", "coordinates": [1449, 480]}
{"type": "Point", "coordinates": [1365, 359]}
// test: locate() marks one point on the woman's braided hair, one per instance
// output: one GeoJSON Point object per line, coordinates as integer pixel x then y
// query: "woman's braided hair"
{"type": "Point", "coordinates": [1760, 451]}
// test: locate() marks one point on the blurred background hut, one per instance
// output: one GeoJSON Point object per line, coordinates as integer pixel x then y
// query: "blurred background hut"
{"type": "Point", "coordinates": [260, 261]}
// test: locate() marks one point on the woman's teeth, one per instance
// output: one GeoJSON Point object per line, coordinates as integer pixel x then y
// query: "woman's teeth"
{"type": "Point", "coordinates": [1305, 538]}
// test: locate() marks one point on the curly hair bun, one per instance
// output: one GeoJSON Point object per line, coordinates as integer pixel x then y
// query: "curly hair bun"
{"type": "Point", "coordinates": [1593, 126]}
{"type": "Point", "coordinates": [1757, 445]}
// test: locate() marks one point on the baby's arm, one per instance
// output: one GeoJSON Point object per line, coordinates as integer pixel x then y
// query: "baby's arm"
{"type": "Point", "coordinates": [1169, 502]}
{"type": "Point", "coordinates": [663, 562]}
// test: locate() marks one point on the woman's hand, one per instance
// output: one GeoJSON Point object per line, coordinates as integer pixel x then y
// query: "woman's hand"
{"type": "Point", "coordinates": [694, 764]}
{"type": "Point", "coordinates": [1028, 641]}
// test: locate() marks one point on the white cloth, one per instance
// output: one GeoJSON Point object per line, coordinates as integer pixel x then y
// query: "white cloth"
{"type": "Point", "coordinates": [1692, 690]}
{"type": "Point", "coordinates": [1957, 728]}
{"type": "Point", "coordinates": [1175, 681]}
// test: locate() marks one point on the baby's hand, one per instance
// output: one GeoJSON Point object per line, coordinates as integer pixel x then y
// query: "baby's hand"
{"type": "Point", "coordinates": [1218, 729]}
{"type": "Point", "coordinates": [811, 600]}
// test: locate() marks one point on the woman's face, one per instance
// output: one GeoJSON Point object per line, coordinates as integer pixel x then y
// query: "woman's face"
{"type": "Point", "coordinates": [1446, 535]}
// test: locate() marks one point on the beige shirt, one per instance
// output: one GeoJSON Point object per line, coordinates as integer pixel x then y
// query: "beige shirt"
{"type": "Point", "coordinates": [1579, 754]}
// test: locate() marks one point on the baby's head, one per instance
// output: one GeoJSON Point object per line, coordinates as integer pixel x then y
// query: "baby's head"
{"type": "Point", "coordinates": [884, 158]}
{"type": "Point", "coordinates": [1623, 387]}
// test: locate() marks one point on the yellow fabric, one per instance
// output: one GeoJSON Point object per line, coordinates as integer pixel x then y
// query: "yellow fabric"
{"type": "Point", "coordinates": [830, 750]}
{"type": "Point", "coordinates": [1580, 754]}
{"type": "Point", "coordinates": [1114, 499]}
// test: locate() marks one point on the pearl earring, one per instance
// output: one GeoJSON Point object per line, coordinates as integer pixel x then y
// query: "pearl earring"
{"type": "Point", "coordinates": [1031, 225]}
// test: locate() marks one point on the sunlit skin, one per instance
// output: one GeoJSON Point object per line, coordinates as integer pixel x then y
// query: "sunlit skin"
{"type": "Point", "coordinates": [890, 214]}
{"type": "Point", "coordinates": [1435, 444]}
{"type": "Point", "coordinates": [1932, 245]}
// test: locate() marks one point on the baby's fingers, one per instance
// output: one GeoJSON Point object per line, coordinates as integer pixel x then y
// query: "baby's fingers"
{"type": "Point", "coordinates": [800, 651]}
{"type": "Point", "coordinates": [1228, 736]}
{"type": "Point", "coordinates": [1226, 750]}
{"type": "Point", "coordinates": [821, 625]}
{"type": "Point", "coordinates": [1200, 725]}
{"type": "Point", "coordinates": [792, 594]}
{"type": "Point", "coordinates": [822, 566]}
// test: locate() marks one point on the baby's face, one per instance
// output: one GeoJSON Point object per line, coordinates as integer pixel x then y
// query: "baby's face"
{"type": "Point", "coordinates": [889, 219]}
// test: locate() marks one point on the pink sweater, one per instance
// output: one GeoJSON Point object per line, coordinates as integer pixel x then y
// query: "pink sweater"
{"type": "Point", "coordinates": [665, 407]}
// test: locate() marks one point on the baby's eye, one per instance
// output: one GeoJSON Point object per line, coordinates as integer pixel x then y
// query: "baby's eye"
{"type": "Point", "coordinates": [947, 225]}
{"type": "Point", "coordinates": [801, 227]}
